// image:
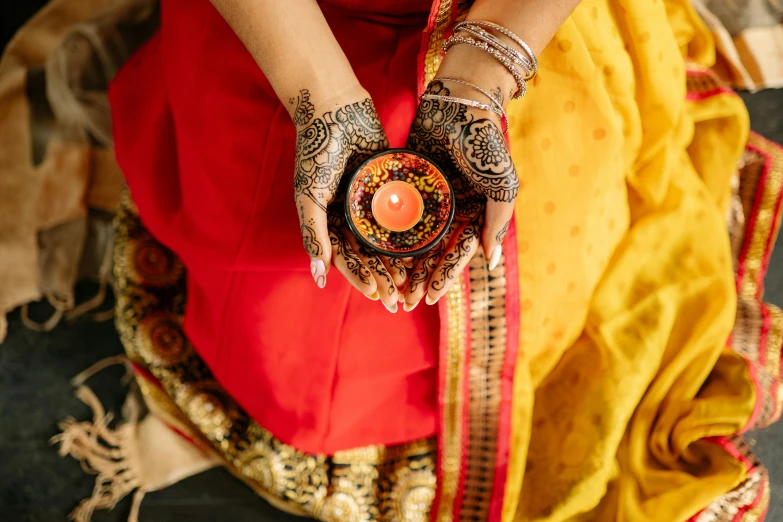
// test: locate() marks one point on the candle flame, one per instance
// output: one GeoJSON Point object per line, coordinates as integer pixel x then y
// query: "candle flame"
{"type": "Point", "coordinates": [394, 199]}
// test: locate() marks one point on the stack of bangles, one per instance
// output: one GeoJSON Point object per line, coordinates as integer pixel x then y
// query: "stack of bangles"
{"type": "Point", "coordinates": [522, 65]}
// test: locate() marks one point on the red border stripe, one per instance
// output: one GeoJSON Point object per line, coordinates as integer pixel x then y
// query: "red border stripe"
{"type": "Point", "coordinates": [507, 377]}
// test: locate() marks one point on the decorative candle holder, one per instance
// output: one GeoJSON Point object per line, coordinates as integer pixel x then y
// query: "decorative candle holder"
{"type": "Point", "coordinates": [399, 203]}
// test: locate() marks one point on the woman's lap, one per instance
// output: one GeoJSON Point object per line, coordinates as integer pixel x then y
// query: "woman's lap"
{"type": "Point", "coordinates": [322, 369]}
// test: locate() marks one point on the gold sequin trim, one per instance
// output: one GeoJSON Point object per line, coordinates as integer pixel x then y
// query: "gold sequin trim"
{"type": "Point", "coordinates": [434, 53]}
{"type": "Point", "coordinates": [453, 401]}
{"type": "Point", "coordinates": [758, 513]}
{"type": "Point", "coordinates": [487, 356]}
{"type": "Point", "coordinates": [774, 345]}
{"type": "Point", "coordinates": [726, 507]}
{"type": "Point", "coordinates": [767, 220]}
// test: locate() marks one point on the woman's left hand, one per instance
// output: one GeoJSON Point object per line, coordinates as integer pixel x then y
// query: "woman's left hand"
{"type": "Point", "coordinates": [469, 146]}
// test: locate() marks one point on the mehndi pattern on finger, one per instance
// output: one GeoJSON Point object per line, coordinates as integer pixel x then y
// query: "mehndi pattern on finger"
{"type": "Point", "coordinates": [341, 249]}
{"type": "Point", "coordinates": [501, 235]}
{"type": "Point", "coordinates": [459, 254]}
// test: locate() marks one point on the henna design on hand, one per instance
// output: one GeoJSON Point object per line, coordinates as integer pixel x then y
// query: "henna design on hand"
{"type": "Point", "coordinates": [304, 109]}
{"type": "Point", "coordinates": [311, 244]}
{"type": "Point", "coordinates": [497, 92]}
{"type": "Point", "coordinates": [429, 262]}
{"type": "Point", "coordinates": [462, 249]}
{"type": "Point", "coordinates": [453, 135]}
{"type": "Point", "coordinates": [341, 247]}
{"type": "Point", "coordinates": [331, 143]}
{"type": "Point", "coordinates": [396, 264]}
{"type": "Point", "coordinates": [502, 234]}
{"type": "Point", "coordinates": [374, 263]}
{"type": "Point", "coordinates": [473, 153]}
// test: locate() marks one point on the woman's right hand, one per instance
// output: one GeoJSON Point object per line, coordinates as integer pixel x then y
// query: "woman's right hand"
{"type": "Point", "coordinates": [469, 145]}
{"type": "Point", "coordinates": [333, 138]}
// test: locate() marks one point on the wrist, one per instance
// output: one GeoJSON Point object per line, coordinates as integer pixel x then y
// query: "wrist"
{"type": "Point", "coordinates": [476, 66]}
{"type": "Point", "coordinates": [315, 101]}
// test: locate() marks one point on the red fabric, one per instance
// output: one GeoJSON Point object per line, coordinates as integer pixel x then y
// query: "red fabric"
{"type": "Point", "coordinates": [208, 152]}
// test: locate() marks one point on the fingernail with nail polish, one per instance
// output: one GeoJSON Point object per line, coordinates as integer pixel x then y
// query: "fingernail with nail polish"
{"type": "Point", "coordinates": [408, 307]}
{"type": "Point", "coordinates": [392, 308]}
{"type": "Point", "coordinates": [429, 300]}
{"type": "Point", "coordinates": [494, 259]}
{"type": "Point", "coordinates": [401, 298]}
{"type": "Point", "coordinates": [374, 297]}
{"type": "Point", "coordinates": [318, 270]}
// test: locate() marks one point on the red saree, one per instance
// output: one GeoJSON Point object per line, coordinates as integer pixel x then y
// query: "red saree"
{"type": "Point", "coordinates": [312, 366]}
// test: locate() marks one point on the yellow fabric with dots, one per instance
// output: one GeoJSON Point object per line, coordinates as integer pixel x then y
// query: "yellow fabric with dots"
{"type": "Point", "coordinates": [627, 292]}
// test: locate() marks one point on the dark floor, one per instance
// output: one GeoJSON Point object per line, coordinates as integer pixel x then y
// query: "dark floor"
{"type": "Point", "coordinates": [37, 486]}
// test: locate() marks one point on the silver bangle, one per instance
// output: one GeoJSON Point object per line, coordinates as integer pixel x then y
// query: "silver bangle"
{"type": "Point", "coordinates": [502, 30]}
{"type": "Point", "coordinates": [502, 114]}
{"type": "Point", "coordinates": [517, 57]}
{"type": "Point", "coordinates": [461, 101]}
{"type": "Point", "coordinates": [502, 58]}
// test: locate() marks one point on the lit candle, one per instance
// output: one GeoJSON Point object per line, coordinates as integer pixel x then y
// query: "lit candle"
{"type": "Point", "coordinates": [397, 206]}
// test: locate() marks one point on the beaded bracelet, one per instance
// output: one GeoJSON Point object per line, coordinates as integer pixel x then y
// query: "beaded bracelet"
{"type": "Point", "coordinates": [499, 56]}
{"type": "Point", "coordinates": [502, 30]}
{"type": "Point", "coordinates": [502, 113]}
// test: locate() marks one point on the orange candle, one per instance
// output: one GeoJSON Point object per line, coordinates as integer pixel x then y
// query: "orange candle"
{"type": "Point", "coordinates": [397, 206]}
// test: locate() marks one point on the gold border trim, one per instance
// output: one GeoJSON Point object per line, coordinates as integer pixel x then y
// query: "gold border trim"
{"type": "Point", "coordinates": [453, 398]}
{"type": "Point", "coordinates": [434, 53]}
{"type": "Point", "coordinates": [767, 222]}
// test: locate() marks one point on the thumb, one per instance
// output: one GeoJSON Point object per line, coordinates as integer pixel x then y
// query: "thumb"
{"type": "Point", "coordinates": [315, 238]}
{"type": "Point", "coordinates": [496, 222]}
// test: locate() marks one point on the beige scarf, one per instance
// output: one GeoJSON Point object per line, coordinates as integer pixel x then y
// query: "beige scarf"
{"type": "Point", "coordinates": [749, 38]}
{"type": "Point", "coordinates": [59, 182]}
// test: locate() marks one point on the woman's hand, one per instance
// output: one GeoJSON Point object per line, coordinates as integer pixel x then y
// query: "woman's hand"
{"type": "Point", "coordinates": [469, 145]}
{"type": "Point", "coordinates": [334, 138]}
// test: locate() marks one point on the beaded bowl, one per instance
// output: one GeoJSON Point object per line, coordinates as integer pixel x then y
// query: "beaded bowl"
{"type": "Point", "coordinates": [416, 170]}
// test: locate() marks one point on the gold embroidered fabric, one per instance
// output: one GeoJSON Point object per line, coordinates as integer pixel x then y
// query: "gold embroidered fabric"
{"type": "Point", "coordinates": [452, 375]}
{"type": "Point", "coordinates": [365, 484]}
{"type": "Point", "coordinates": [762, 157]}
{"type": "Point", "coordinates": [434, 53]}
{"type": "Point", "coordinates": [487, 357]}
{"type": "Point", "coordinates": [755, 486]}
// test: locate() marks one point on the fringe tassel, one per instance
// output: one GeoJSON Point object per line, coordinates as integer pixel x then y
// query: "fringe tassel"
{"type": "Point", "coordinates": [46, 326]}
{"type": "Point", "coordinates": [108, 453]}
{"type": "Point", "coordinates": [69, 312]}
{"type": "Point", "coordinates": [101, 365]}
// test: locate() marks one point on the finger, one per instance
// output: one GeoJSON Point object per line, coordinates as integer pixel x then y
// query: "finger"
{"type": "Point", "coordinates": [498, 217]}
{"type": "Point", "coordinates": [383, 280]}
{"type": "Point", "coordinates": [396, 267]}
{"type": "Point", "coordinates": [315, 237]}
{"type": "Point", "coordinates": [420, 275]}
{"type": "Point", "coordinates": [459, 252]}
{"type": "Point", "coordinates": [350, 265]}
{"type": "Point", "coordinates": [407, 263]}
